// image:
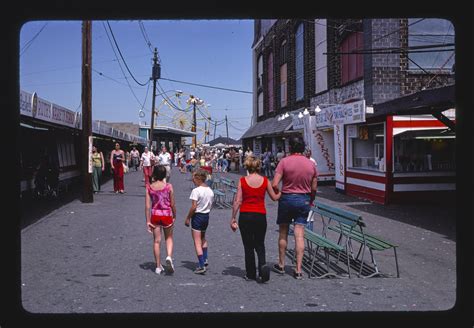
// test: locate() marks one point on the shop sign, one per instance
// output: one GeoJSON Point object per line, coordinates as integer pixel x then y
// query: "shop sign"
{"type": "Point", "coordinates": [298, 123]}
{"type": "Point", "coordinates": [341, 114]}
{"type": "Point", "coordinates": [25, 103]}
{"type": "Point", "coordinates": [63, 116]}
{"type": "Point", "coordinates": [339, 156]}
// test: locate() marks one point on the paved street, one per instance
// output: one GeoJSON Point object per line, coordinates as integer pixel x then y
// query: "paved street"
{"type": "Point", "coordinates": [98, 258]}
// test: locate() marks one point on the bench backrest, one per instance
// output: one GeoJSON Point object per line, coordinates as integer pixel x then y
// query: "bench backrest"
{"type": "Point", "coordinates": [337, 214]}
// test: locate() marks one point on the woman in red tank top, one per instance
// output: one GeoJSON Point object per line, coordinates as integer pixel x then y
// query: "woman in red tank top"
{"type": "Point", "coordinates": [250, 199]}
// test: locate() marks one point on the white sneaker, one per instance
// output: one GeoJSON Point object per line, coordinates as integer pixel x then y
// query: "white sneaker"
{"type": "Point", "coordinates": [159, 269]}
{"type": "Point", "coordinates": [169, 265]}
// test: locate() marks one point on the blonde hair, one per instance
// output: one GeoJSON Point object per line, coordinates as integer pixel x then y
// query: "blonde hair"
{"type": "Point", "coordinates": [253, 164]}
{"type": "Point", "coordinates": [201, 175]}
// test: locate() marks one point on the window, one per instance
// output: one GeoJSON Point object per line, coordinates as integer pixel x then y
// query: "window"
{"type": "Point", "coordinates": [283, 74]}
{"type": "Point", "coordinates": [368, 147]}
{"type": "Point", "coordinates": [259, 71]}
{"type": "Point", "coordinates": [260, 104]}
{"type": "Point", "coordinates": [352, 66]}
{"type": "Point", "coordinates": [270, 82]}
{"type": "Point", "coordinates": [431, 32]}
{"type": "Point", "coordinates": [320, 41]}
{"type": "Point", "coordinates": [283, 85]}
{"type": "Point", "coordinates": [283, 52]}
{"type": "Point", "coordinates": [424, 151]}
{"type": "Point", "coordinates": [299, 54]}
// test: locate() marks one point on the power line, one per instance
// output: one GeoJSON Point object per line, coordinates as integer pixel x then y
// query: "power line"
{"type": "Point", "coordinates": [207, 86]}
{"type": "Point", "coordinates": [145, 36]}
{"type": "Point", "coordinates": [123, 59]}
{"type": "Point", "coordinates": [120, 65]}
{"type": "Point", "coordinates": [29, 43]}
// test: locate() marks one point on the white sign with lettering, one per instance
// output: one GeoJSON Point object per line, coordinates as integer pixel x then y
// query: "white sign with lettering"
{"type": "Point", "coordinates": [341, 114]}
{"type": "Point", "coordinates": [339, 156]}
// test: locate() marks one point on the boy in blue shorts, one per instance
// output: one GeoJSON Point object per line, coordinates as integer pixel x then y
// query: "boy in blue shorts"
{"type": "Point", "coordinates": [202, 198]}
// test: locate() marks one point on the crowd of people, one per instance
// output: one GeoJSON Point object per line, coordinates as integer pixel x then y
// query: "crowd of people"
{"type": "Point", "coordinates": [290, 179]}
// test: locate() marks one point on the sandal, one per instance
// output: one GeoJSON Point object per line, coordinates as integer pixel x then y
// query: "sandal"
{"type": "Point", "coordinates": [278, 269]}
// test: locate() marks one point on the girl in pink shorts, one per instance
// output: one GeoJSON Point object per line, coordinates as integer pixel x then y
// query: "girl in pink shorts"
{"type": "Point", "coordinates": [160, 211]}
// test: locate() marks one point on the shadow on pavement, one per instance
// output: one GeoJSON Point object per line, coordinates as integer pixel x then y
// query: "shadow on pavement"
{"type": "Point", "coordinates": [148, 266]}
{"type": "Point", "coordinates": [233, 271]}
{"type": "Point", "coordinates": [189, 265]}
{"type": "Point", "coordinates": [435, 217]}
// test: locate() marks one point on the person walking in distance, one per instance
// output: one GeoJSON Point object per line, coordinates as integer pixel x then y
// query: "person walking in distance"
{"type": "Point", "coordinates": [117, 158]}
{"type": "Point", "coordinates": [250, 199]}
{"type": "Point", "coordinates": [160, 211]}
{"type": "Point", "coordinates": [202, 198]}
{"type": "Point", "coordinates": [98, 166]}
{"type": "Point", "coordinates": [299, 183]}
{"type": "Point", "coordinates": [147, 162]}
{"type": "Point", "coordinates": [164, 158]}
{"type": "Point", "coordinates": [135, 158]}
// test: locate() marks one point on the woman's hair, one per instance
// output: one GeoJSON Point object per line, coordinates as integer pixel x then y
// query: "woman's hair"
{"type": "Point", "coordinates": [158, 174]}
{"type": "Point", "coordinates": [253, 164]}
{"type": "Point", "coordinates": [296, 145]}
{"type": "Point", "coordinates": [201, 175]}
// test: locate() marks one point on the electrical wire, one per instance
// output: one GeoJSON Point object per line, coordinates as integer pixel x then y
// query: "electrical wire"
{"type": "Point", "coordinates": [29, 43]}
{"type": "Point", "coordinates": [145, 36]}
{"type": "Point", "coordinates": [123, 72]}
{"type": "Point", "coordinates": [207, 86]}
{"type": "Point", "coordinates": [123, 59]}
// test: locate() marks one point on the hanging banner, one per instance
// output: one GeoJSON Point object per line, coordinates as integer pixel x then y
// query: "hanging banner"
{"type": "Point", "coordinates": [339, 156]}
{"type": "Point", "coordinates": [341, 114]}
{"type": "Point", "coordinates": [321, 144]}
{"type": "Point", "coordinates": [90, 154]}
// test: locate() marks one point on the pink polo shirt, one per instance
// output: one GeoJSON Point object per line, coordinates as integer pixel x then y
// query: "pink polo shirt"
{"type": "Point", "coordinates": [297, 173]}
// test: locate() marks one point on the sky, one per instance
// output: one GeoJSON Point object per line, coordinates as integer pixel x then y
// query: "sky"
{"type": "Point", "coordinates": [209, 52]}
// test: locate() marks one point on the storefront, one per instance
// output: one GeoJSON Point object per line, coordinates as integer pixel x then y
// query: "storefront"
{"type": "Point", "coordinates": [394, 157]}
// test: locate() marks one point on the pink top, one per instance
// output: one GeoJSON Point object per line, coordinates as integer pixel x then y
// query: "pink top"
{"type": "Point", "coordinates": [161, 201]}
{"type": "Point", "coordinates": [297, 173]}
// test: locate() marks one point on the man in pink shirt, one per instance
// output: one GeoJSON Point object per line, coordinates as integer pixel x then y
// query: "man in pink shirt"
{"type": "Point", "coordinates": [299, 183]}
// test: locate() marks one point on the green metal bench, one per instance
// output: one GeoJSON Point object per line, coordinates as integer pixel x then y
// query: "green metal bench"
{"type": "Point", "coordinates": [351, 227]}
{"type": "Point", "coordinates": [314, 243]}
{"type": "Point", "coordinates": [219, 195]}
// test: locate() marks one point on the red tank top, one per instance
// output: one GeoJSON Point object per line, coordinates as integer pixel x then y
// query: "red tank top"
{"type": "Point", "coordinates": [253, 199]}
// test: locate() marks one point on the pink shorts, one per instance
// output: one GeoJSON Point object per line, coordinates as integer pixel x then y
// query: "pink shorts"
{"type": "Point", "coordinates": [164, 221]}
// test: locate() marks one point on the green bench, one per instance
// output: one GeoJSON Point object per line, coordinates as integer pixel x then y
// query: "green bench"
{"type": "Point", "coordinates": [219, 195]}
{"type": "Point", "coordinates": [314, 243]}
{"type": "Point", "coordinates": [351, 227]}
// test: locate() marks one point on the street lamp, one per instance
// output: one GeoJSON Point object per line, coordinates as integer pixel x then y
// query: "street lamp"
{"type": "Point", "coordinates": [195, 101]}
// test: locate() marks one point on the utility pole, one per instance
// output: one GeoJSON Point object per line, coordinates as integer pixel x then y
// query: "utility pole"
{"type": "Point", "coordinates": [155, 75]}
{"type": "Point", "coordinates": [87, 196]}
{"type": "Point", "coordinates": [194, 123]}
{"type": "Point", "coordinates": [215, 126]}
{"type": "Point", "coordinates": [227, 130]}
{"type": "Point", "coordinates": [205, 132]}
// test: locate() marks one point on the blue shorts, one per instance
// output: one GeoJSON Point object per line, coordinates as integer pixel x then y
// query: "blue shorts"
{"type": "Point", "coordinates": [293, 208]}
{"type": "Point", "coordinates": [200, 221]}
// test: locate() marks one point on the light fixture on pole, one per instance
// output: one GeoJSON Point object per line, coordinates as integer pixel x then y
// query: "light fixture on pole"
{"type": "Point", "coordinates": [286, 115]}
{"type": "Point", "coordinates": [317, 109]}
{"type": "Point", "coordinates": [300, 115]}
{"type": "Point", "coordinates": [305, 112]}
{"type": "Point", "coordinates": [195, 101]}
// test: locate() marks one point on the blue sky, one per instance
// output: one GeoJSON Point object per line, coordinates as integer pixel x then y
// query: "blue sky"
{"type": "Point", "coordinates": [210, 52]}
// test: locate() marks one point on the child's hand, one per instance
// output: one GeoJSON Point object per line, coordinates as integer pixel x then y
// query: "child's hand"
{"type": "Point", "coordinates": [186, 223]}
{"type": "Point", "coordinates": [150, 227]}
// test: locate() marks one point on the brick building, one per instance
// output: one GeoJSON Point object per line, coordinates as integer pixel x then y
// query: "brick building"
{"type": "Point", "coordinates": [318, 64]}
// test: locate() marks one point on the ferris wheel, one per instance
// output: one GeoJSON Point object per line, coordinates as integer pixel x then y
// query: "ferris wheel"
{"type": "Point", "coordinates": [176, 110]}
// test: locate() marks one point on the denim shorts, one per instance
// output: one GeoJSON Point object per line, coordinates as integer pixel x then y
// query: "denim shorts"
{"type": "Point", "coordinates": [200, 221]}
{"type": "Point", "coordinates": [293, 208]}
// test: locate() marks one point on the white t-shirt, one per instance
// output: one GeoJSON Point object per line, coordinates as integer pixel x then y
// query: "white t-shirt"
{"type": "Point", "coordinates": [204, 197]}
{"type": "Point", "coordinates": [164, 159]}
{"type": "Point", "coordinates": [146, 157]}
